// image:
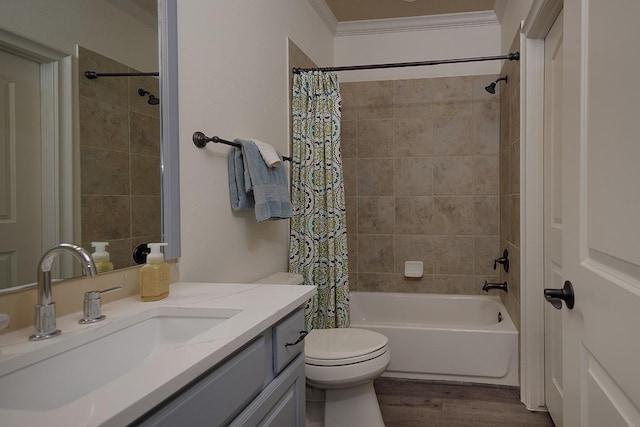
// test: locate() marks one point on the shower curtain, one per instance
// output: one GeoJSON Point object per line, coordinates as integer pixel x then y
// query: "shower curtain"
{"type": "Point", "coordinates": [318, 239]}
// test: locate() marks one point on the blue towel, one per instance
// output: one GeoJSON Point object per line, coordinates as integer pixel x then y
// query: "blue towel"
{"type": "Point", "coordinates": [252, 183]}
{"type": "Point", "coordinates": [240, 199]}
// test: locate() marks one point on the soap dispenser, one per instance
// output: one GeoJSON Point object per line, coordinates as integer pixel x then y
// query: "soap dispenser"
{"type": "Point", "coordinates": [154, 275]}
{"type": "Point", "coordinates": [101, 257]}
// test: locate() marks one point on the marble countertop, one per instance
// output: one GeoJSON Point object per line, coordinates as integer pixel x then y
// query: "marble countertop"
{"type": "Point", "coordinates": [131, 395]}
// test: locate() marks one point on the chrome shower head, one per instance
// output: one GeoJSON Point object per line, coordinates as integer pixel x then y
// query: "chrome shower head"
{"type": "Point", "coordinates": [492, 86]}
{"type": "Point", "coordinates": [152, 98]}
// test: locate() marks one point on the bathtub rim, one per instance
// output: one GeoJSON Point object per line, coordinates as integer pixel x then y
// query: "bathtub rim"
{"type": "Point", "coordinates": [505, 326]}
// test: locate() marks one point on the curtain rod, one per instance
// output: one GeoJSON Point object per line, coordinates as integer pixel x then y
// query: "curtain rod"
{"type": "Point", "coordinates": [94, 75]}
{"type": "Point", "coordinates": [514, 56]}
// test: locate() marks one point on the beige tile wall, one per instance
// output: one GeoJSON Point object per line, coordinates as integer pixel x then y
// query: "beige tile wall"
{"type": "Point", "coordinates": [421, 162]}
{"type": "Point", "coordinates": [510, 181]}
{"type": "Point", "coordinates": [119, 159]}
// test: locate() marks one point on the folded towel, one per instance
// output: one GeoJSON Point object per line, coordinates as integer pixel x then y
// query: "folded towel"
{"type": "Point", "coordinates": [268, 186]}
{"type": "Point", "coordinates": [240, 199]}
{"type": "Point", "coordinates": [268, 153]}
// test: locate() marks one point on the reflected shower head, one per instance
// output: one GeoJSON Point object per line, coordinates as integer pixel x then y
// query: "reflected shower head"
{"type": "Point", "coordinates": [492, 87]}
{"type": "Point", "coordinates": [152, 98]}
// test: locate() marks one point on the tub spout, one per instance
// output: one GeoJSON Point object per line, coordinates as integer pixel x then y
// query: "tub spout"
{"type": "Point", "coordinates": [502, 286]}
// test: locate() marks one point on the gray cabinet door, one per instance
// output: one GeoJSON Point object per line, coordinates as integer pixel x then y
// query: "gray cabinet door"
{"type": "Point", "coordinates": [216, 398]}
{"type": "Point", "coordinates": [281, 403]}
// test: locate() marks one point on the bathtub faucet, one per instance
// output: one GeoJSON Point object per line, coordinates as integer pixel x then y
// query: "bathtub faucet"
{"type": "Point", "coordinates": [502, 286]}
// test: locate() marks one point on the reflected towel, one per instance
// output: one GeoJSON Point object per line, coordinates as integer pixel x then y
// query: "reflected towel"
{"type": "Point", "coordinates": [268, 153]}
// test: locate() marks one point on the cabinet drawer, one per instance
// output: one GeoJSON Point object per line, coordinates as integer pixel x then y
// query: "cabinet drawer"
{"type": "Point", "coordinates": [288, 332]}
{"type": "Point", "coordinates": [218, 396]}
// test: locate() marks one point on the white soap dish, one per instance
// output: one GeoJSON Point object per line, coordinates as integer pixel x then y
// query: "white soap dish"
{"type": "Point", "coordinates": [413, 269]}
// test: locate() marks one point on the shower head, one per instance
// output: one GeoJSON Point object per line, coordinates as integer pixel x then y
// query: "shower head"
{"type": "Point", "coordinates": [492, 87]}
{"type": "Point", "coordinates": [152, 98]}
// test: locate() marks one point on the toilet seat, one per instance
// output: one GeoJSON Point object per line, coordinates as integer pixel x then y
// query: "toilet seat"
{"type": "Point", "coordinates": [346, 346]}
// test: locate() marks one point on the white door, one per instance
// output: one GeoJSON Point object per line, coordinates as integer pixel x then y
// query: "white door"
{"type": "Point", "coordinates": [553, 218]}
{"type": "Point", "coordinates": [601, 212]}
{"type": "Point", "coordinates": [20, 170]}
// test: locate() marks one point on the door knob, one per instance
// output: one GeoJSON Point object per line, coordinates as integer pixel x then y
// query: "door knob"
{"type": "Point", "coordinates": [556, 296]}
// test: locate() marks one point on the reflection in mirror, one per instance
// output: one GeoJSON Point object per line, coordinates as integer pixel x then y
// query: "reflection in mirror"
{"type": "Point", "coordinates": [119, 158]}
{"type": "Point", "coordinates": [97, 169]}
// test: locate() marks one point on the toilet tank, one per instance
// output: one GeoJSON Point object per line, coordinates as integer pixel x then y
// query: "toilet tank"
{"type": "Point", "coordinates": [281, 278]}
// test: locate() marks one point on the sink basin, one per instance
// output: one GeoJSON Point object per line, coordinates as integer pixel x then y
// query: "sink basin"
{"type": "Point", "coordinates": [61, 372]}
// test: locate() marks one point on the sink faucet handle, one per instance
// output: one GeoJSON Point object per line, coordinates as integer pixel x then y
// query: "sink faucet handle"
{"type": "Point", "coordinates": [108, 291]}
{"type": "Point", "coordinates": [92, 305]}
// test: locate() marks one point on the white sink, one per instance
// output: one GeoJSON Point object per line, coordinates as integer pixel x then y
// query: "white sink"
{"type": "Point", "coordinates": [63, 371]}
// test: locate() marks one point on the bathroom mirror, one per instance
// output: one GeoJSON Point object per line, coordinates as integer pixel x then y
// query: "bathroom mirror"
{"type": "Point", "coordinates": [55, 38]}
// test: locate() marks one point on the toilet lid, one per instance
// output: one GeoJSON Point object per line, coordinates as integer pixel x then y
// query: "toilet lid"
{"type": "Point", "coordinates": [326, 346]}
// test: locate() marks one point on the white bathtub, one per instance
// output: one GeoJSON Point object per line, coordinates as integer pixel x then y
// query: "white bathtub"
{"type": "Point", "coordinates": [468, 338]}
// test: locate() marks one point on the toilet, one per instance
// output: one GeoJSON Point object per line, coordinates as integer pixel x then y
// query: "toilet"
{"type": "Point", "coordinates": [343, 362]}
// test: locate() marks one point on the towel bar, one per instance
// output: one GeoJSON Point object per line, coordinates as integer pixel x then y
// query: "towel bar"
{"type": "Point", "coordinates": [200, 140]}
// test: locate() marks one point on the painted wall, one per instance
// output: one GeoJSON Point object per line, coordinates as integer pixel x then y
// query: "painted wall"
{"type": "Point", "coordinates": [94, 24]}
{"type": "Point", "coordinates": [233, 78]}
{"type": "Point", "coordinates": [408, 46]}
{"type": "Point", "coordinates": [514, 13]}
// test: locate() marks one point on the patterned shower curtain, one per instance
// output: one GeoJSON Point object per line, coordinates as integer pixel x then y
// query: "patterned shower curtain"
{"type": "Point", "coordinates": [318, 240]}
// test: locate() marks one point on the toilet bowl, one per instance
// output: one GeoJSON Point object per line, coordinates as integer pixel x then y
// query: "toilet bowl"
{"type": "Point", "coordinates": [343, 362]}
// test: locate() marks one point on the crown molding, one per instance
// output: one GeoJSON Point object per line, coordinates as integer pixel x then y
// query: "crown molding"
{"type": "Point", "coordinates": [136, 12]}
{"type": "Point", "coordinates": [418, 23]}
{"type": "Point", "coordinates": [500, 6]}
{"type": "Point", "coordinates": [325, 14]}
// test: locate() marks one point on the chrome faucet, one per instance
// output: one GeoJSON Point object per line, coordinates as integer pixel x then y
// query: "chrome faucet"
{"type": "Point", "coordinates": [45, 320]}
{"type": "Point", "coordinates": [502, 286]}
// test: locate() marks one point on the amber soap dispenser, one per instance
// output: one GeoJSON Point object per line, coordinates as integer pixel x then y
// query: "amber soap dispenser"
{"type": "Point", "coordinates": [154, 275]}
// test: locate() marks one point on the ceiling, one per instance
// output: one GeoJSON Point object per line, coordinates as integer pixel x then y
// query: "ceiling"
{"type": "Point", "coordinates": [358, 10]}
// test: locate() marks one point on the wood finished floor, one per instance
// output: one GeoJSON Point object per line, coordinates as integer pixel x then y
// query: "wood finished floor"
{"type": "Point", "coordinates": [411, 403]}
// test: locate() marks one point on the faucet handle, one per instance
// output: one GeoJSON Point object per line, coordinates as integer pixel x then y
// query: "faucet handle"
{"type": "Point", "coordinates": [92, 305]}
{"type": "Point", "coordinates": [504, 260]}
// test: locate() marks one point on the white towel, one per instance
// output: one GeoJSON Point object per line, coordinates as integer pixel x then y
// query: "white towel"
{"type": "Point", "coordinates": [268, 153]}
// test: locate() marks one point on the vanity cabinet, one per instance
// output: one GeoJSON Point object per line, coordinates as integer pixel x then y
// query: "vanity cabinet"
{"type": "Point", "coordinates": [261, 384]}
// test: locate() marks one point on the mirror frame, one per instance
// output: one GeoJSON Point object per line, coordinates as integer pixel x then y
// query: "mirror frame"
{"type": "Point", "coordinates": [170, 152]}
